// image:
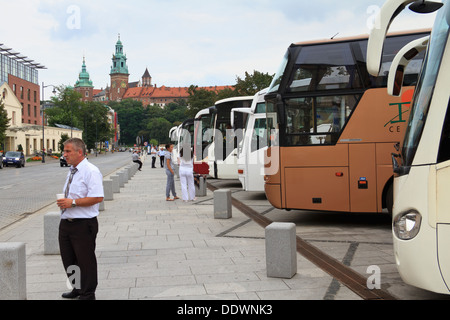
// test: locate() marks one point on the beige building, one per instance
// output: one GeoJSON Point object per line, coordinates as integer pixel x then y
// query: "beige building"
{"type": "Point", "coordinates": [29, 136]}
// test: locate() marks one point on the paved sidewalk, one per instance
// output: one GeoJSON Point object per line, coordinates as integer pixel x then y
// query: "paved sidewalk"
{"type": "Point", "coordinates": [149, 248]}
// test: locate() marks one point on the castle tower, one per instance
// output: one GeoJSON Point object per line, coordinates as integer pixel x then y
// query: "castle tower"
{"type": "Point", "coordinates": [119, 74]}
{"type": "Point", "coordinates": [84, 84]}
{"type": "Point", "coordinates": [147, 79]}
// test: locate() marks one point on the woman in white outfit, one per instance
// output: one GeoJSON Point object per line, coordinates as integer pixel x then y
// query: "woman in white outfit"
{"type": "Point", "coordinates": [187, 174]}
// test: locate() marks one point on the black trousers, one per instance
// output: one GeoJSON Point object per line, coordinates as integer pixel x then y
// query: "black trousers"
{"type": "Point", "coordinates": [77, 242]}
{"type": "Point", "coordinates": [153, 162]}
{"type": "Point", "coordinates": [161, 159]}
{"type": "Point", "coordinates": [139, 162]}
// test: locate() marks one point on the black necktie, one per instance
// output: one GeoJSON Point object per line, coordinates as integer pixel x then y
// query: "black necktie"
{"type": "Point", "coordinates": [66, 193]}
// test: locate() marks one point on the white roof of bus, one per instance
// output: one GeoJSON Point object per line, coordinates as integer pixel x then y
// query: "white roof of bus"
{"type": "Point", "coordinates": [202, 112]}
{"type": "Point", "coordinates": [233, 99]}
{"type": "Point", "coordinates": [258, 98]}
{"type": "Point", "coordinates": [359, 37]}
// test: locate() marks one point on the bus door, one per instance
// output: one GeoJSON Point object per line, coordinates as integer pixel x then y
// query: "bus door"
{"type": "Point", "coordinates": [363, 177]}
{"type": "Point", "coordinates": [255, 153]}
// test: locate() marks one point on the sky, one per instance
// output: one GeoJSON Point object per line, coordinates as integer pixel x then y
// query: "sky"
{"type": "Point", "coordinates": [182, 43]}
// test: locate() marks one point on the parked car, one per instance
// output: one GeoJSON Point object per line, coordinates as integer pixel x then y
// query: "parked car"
{"type": "Point", "coordinates": [63, 162]}
{"type": "Point", "coordinates": [1, 160]}
{"type": "Point", "coordinates": [15, 158]}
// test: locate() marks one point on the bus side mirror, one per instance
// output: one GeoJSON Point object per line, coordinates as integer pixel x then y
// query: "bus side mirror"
{"type": "Point", "coordinates": [401, 61]}
{"type": "Point", "coordinates": [425, 6]}
{"type": "Point", "coordinates": [398, 81]}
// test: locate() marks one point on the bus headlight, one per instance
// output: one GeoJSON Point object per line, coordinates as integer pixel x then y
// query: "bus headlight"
{"type": "Point", "coordinates": [407, 225]}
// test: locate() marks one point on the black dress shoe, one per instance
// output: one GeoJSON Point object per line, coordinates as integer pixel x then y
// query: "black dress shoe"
{"type": "Point", "coordinates": [71, 295]}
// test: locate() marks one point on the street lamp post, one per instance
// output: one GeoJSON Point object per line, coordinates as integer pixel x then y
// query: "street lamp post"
{"type": "Point", "coordinates": [43, 118]}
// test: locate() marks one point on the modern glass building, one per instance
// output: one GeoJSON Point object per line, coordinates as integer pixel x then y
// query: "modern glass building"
{"type": "Point", "coordinates": [18, 65]}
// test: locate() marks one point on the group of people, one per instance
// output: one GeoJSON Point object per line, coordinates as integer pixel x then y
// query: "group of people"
{"type": "Point", "coordinates": [186, 170]}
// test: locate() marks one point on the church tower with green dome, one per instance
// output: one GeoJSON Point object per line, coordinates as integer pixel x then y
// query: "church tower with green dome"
{"type": "Point", "coordinates": [119, 73]}
{"type": "Point", "coordinates": [84, 84]}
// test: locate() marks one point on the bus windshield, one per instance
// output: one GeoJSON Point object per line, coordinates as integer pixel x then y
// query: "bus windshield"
{"type": "Point", "coordinates": [322, 84]}
{"type": "Point", "coordinates": [279, 75]}
{"type": "Point", "coordinates": [425, 87]}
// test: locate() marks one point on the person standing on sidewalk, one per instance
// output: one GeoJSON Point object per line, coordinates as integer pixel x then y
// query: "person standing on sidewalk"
{"type": "Point", "coordinates": [161, 154]}
{"type": "Point", "coordinates": [153, 153]}
{"type": "Point", "coordinates": [186, 161]}
{"type": "Point", "coordinates": [136, 159]}
{"type": "Point", "coordinates": [78, 229]}
{"type": "Point", "coordinates": [170, 187]}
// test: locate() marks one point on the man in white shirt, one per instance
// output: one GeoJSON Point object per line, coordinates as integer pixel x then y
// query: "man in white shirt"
{"type": "Point", "coordinates": [79, 226]}
{"type": "Point", "coordinates": [161, 154]}
{"type": "Point", "coordinates": [153, 152]}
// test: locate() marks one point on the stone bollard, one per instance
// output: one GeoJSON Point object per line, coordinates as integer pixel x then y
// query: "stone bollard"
{"type": "Point", "coordinates": [130, 171]}
{"type": "Point", "coordinates": [123, 178]}
{"type": "Point", "coordinates": [200, 191]}
{"type": "Point", "coordinates": [281, 250]}
{"type": "Point", "coordinates": [134, 169]}
{"type": "Point", "coordinates": [116, 183]}
{"type": "Point", "coordinates": [51, 231]}
{"type": "Point", "coordinates": [222, 204]}
{"type": "Point", "coordinates": [13, 271]}
{"type": "Point", "coordinates": [101, 206]}
{"type": "Point", "coordinates": [108, 190]}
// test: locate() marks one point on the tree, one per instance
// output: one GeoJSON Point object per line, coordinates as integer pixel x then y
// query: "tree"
{"type": "Point", "coordinates": [95, 123]}
{"type": "Point", "coordinates": [254, 83]}
{"type": "Point", "coordinates": [131, 116]}
{"type": "Point", "coordinates": [200, 99]}
{"type": "Point", "coordinates": [159, 129]}
{"type": "Point", "coordinates": [67, 104]}
{"type": "Point", "coordinates": [64, 138]}
{"type": "Point", "coordinates": [4, 121]}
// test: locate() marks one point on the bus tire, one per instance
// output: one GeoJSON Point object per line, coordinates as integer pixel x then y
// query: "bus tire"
{"type": "Point", "coordinates": [390, 198]}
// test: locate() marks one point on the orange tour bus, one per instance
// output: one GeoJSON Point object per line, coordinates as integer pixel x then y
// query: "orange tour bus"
{"type": "Point", "coordinates": [421, 215]}
{"type": "Point", "coordinates": [336, 127]}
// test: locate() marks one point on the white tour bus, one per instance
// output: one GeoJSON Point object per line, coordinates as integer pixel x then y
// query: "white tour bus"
{"type": "Point", "coordinates": [421, 214]}
{"type": "Point", "coordinates": [251, 150]}
{"type": "Point", "coordinates": [222, 153]}
{"type": "Point", "coordinates": [202, 139]}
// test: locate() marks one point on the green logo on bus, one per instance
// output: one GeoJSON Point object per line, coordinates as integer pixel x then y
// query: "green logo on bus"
{"type": "Point", "coordinates": [401, 112]}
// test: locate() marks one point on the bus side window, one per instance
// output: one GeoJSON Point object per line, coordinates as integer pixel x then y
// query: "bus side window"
{"type": "Point", "coordinates": [444, 147]}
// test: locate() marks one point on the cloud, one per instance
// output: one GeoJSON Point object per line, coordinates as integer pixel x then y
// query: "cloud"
{"type": "Point", "coordinates": [180, 42]}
